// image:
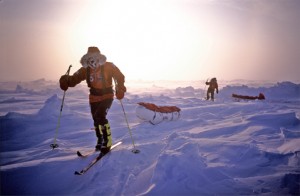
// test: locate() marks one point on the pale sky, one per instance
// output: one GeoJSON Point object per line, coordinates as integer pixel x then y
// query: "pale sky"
{"type": "Point", "coordinates": [153, 39]}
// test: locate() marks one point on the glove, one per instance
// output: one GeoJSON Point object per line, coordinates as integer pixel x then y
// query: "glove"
{"type": "Point", "coordinates": [207, 83]}
{"type": "Point", "coordinates": [120, 91]}
{"type": "Point", "coordinates": [63, 81]}
{"type": "Point", "coordinates": [217, 91]}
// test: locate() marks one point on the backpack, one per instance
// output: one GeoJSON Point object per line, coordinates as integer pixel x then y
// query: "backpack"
{"type": "Point", "coordinates": [213, 80]}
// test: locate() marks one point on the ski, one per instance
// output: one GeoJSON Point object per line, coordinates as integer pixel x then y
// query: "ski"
{"type": "Point", "coordinates": [86, 154]}
{"type": "Point", "coordinates": [94, 161]}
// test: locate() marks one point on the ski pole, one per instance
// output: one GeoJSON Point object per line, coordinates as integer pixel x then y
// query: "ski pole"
{"type": "Point", "coordinates": [205, 87]}
{"type": "Point", "coordinates": [55, 145]}
{"type": "Point", "coordinates": [129, 130]}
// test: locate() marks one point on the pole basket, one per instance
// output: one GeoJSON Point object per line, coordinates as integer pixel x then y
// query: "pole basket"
{"type": "Point", "coordinates": [135, 151]}
{"type": "Point", "coordinates": [53, 146]}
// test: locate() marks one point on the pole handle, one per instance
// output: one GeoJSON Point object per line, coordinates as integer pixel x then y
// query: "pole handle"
{"type": "Point", "coordinates": [68, 72]}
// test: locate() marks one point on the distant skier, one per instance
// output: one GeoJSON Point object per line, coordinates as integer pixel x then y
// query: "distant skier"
{"type": "Point", "coordinates": [98, 74]}
{"type": "Point", "coordinates": [211, 89]}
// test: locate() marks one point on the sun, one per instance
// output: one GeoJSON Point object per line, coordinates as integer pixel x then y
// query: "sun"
{"type": "Point", "coordinates": [145, 39]}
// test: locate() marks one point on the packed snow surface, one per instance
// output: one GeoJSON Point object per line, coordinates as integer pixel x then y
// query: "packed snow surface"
{"type": "Point", "coordinates": [225, 147]}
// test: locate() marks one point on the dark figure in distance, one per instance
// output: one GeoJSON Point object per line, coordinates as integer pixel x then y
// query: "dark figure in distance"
{"type": "Point", "coordinates": [211, 89]}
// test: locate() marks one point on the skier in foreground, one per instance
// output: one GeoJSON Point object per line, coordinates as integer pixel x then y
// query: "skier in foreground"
{"type": "Point", "coordinates": [99, 75]}
{"type": "Point", "coordinates": [211, 89]}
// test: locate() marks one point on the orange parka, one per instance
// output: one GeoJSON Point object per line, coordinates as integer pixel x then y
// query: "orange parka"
{"type": "Point", "coordinates": [99, 80]}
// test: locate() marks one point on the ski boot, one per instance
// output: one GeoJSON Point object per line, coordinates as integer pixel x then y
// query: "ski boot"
{"type": "Point", "coordinates": [107, 140]}
{"type": "Point", "coordinates": [99, 140]}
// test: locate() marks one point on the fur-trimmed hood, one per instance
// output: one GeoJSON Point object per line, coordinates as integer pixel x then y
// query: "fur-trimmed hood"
{"type": "Point", "coordinates": [93, 58]}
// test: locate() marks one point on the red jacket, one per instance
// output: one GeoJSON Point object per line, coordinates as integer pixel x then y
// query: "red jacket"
{"type": "Point", "coordinates": [99, 78]}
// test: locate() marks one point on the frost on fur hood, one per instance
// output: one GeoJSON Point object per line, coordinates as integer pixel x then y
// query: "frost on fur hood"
{"type": "Point", "coordinates": [93, 58]}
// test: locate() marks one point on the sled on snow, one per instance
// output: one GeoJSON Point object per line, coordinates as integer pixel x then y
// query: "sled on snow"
{"type": "Point", "coordinates": [246, 97]}
{"type": "Point", "coordinates": [156, 114]}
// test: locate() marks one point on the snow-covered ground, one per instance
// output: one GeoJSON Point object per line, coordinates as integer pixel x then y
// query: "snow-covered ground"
{"type": "Point", "coordinates": [226, 147]}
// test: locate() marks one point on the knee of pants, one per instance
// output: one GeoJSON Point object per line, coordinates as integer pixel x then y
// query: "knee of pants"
{"type": "Point", "coordinates": [100, 121]}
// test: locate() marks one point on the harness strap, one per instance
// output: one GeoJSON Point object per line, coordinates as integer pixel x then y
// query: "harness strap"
{"type": "Point", "coordinates": [102, 75]}
{"type": "Point", "coordinates": [88, 74]}
{"type": "Point", "coordinates": [100, 92]}
{"type": "Point", "coordinates": [95, 91]}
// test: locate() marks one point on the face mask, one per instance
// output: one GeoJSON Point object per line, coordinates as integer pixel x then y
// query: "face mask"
{"type": "Point", "coordinates": [92, 62]}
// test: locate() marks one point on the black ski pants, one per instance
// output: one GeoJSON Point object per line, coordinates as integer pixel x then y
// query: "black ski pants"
{"type": "Point", "coordinates": [99, 111]}
{"type": "Point", "coordinates": [210, 91]}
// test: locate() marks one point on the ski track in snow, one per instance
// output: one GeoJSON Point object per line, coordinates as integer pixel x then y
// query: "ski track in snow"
{"type": "Point", "coordinates": [223, 147]}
